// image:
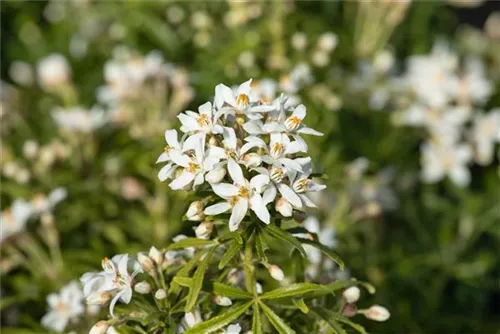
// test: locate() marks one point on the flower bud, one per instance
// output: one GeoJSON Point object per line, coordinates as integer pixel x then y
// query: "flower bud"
{"type": "Point", "coordinates": [156, 255]}
{"type": "Point", "coordinates": [222, 301]}
{"type": "Point", "coordinates": [195, 211]}
{"type": "Point", "coordinates": [160, 294]}
{"type": "Point", "coordinates": [145, 261]}
{"type": "Point", "coordinates": [216, 175]}
{"type": "Point", "coordinates": [284, 207]}
{"type": "Point", "coordinates": [377, 313]}
{"type": "Point", "coordinates": [204, 230]}
{"type": "Point", "coordinates": [100, 327]}
{"type": "Point", "coordinates": [142, 288]}
{"type": "Point", "coordinates": [350, 310]}
{"type": "Point", "coordinates": [276, 272]}
{"type": "Point", "coordinates": [252, 159]}
{"type": "Point", "coordinates": [98, 298]}
{"type": "Point", "coordinates": [351, 294]}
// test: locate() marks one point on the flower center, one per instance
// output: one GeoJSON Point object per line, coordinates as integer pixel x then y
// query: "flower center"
{"type": "Point", "coordinates": [243, 100]}
{"type": "Point", "coordinates": [108, 265]}
{"type": "Point", "coordinates": [192, 167]}
{"type": "Point", "coordinates": [301, 185]}
{"type": "Point", "coordinates": [277, 149]}
{"type": "Point", "coordinates": [277, 174]}
{"type": "Point", "coordinates": [243, 192]}
{"type": "Point", "coordinates": [167, 149]}
{"type": "Point", "coordinates": [292, 123]}
{"type": "Point", "coordinates": [233, 200]}
{"type": "Point", "coordinates": [203, 120]}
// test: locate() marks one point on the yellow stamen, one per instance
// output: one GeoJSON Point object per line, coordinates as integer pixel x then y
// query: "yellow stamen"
{"type": "Point", "coordinates": [243, 100]}
{"type": "Point", "coordinates": [293, 122]}
{"type": "Point", "coordinates": [203, 120]}
{"type": "Point", "coordinates": [192, 167]}
{"type": "Point", "coordinates": [243, 192]}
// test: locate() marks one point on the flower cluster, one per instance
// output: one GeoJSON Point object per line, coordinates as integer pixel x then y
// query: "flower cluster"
{"type": "Point", "coordinates": [446, 99]}
{"type": "Point", "coordinates": [251, 153]}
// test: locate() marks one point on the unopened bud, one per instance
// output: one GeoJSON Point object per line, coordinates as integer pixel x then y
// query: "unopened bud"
{"type": "Point", "coordinates": [252, 159]}
{"type": "Point", "coordinates": [142, 288]}
{"type": "Point", "coordinates": [377, 313]}
{"type": "Point", "coordinates": [351, 294]}
{"type": "Point", "coordinates": [216, 175]}
{"type": "Point", "coordinates": [100, 327]}
{"type": "Point", "coordinates": [276, 272]}
{"type": "Point", "coordinates": [195, 211]}
{"type": "Point", "coordinates": [156, 255]}
{"type": "Point", "coordinates": [160, 294]}
{"type": "Point", "coordinates": [350, 310]}
{"type": "Point", "coordinates": [145, 261]}
{"type": "Point", "coordinates": [204, 230]}
{"type": "Point", "coordinates": [98, 298]}
{"type": "Point", "coordinates": [222, 301]}
{"type": "Point", "coordinates": [284, 207]}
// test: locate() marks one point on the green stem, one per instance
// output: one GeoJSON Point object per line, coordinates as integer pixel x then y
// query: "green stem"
{"type": "Point", "coordinates": [250, 280]}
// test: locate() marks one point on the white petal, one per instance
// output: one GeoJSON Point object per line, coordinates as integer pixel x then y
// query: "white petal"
{"type": "Point", "coordinates": [301, 142]}
{"type": "Point", "coordinates": [460, 175]}
{"type": "Point", "coordinates": [166, 172]}
{"type": "Point", "coordinates": [253, 127]}
{"type": "Point", "coordinates": [162, 158]}
{"type": "Point", "coordinates": [290, 195]}
{"type": "Point", "coordinates": [258, 206]}
{"type": "Point", "coordinates": [182, 180]}
{"type": "Point", "coordinates": [188, 122]}
{"type": "Point", "coordinates": [223, 94]}
{"type": "Point", "coordinates": [258, 182]}
{"type": "Point", "coordinates": [193, 142]}
{"type": "Point", "coordinates": [245, 87]}
{"type": "Point", "coordinates": [300, 112]}
{"type": "Point", "coordinates": [273, 127]}
{"type": "Point", "coordinates": [235, 172]}
{"type": "Point", "coordinates": [229, 138]}
{"type": "Point", "coordinates": [199, 179]}
{"type": "Point", "coordinates": [225, 190]}
{"type": "Point", "coordinates": [309, 131]}
{"type": "Point", "coordinates": [217, 209]}
{"type": "Point", "coordinates": [291, 164]}
{"type": "Point", "coordinates": [206, 109]}
{"type": "Point", "coordinates": [180, 159]}
{"type": "Point", "coordinates": [239, 211]}
{"type": "Point", "coordinates": [171, 138]}
{"type": "Point", "coordinates": [269, 195]}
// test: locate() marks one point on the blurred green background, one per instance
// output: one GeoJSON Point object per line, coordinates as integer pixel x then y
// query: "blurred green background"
{"type": "Point", "coordinates": [432, 250]}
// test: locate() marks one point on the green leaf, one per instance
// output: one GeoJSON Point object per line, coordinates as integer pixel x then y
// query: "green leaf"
{"type": "Point", "coordinates": [198, 276]}
{"type": "Point", "coordinates": [301, 305]}
{"type": "Point", "coordinates": [233, 249]}
{"type": "Point", "coordinates": [278, 233]}
{"type": "Point", "coordinates": [174, 287]}
{"type": "Point", "coordinates": [261, 247]}
{"type": "Point", "coordinates": [230, 292]}
{"type": "Point", "coordinates": [325, 250]}
{"type": "Point", "coordinates": [294, 290]}
{"type": "Point", "coordinates": [184, 281]}
{"type": "Point", "coordinates": [276, 321]}
{"type": "Point", "coordinates": [217, 323]}
{"type": "Point", "coordinates": [191, 242]}
{"type": "Point", "coordinates": [332, 318]}
{"type": "Point", "coordinates": [256, 322]}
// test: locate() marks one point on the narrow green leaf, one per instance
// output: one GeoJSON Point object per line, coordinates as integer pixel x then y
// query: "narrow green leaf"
{"type": "Point", "coordinates": [186, 269]}
{"type": "Point", "coordinates": [276, 321]}
{"type": "Point", "coordinates": [332, 317]}
{"type": "Point", "coordinates": [230, 292]}
{"type": "Point", "coordinates": [301, 305]}
{"type": "Point", "coordinates": [325, 250]}
{"type": "Point", "coordinates": [278, 233]}
{"type": "Point", "coordinates": [217, 323]}
{"type": "Point", "coordinates": [198, 276]}
{"type": "Point", "coordinates": [256, 322]}
{"type": "Point", "coordinates": [184, 281]}
{"type": "Point", "coordinates": [191, 242]}
{"type": "Point", "coordinates": [292, 290]}
{"type": "Point", "coordinates": [233, 249]}
{"type": "Point", "coordinates": [261, 247]}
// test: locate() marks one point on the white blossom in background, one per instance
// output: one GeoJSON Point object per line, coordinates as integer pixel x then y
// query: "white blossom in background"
{"type": "Point", "coordinates": [485, 134]}
{"type": "Point", "coordinates": [13, 220]}
{"type": "Point", "coordinates": [53, 71]}
{"type": "Point", "coordinates": [79, 119]}
{"type": "Point", "coordinates": [64, 307]}
{"type": "Point", "coordinates": [249, 151]}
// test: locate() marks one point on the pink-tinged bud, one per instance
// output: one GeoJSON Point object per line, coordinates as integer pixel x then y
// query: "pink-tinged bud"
{"type": "Point", "coordinates": [350, 310]}
{"type": "Point", "coordinates": [156, 255]}
{"type": "Point", "coordinates": [98, 298]}
{"type": "Point", "coordinates": [252, 159]}
{"type": "Point", "coordinates": [145, 262]}
{"type": "Point", "coordinates": [160, 294]}
{"type": "Point", "coordinates": [204, 230]}
{"type": "Point", "coordinates": [284, 207]}
{"type": "Point", "coordinates": [142, 288]}
{"type": "Point", "coordinates": [195, 211]}
{"type": "Point", "coordinates": [100, 327]}
{"type": "Point", "coordinates": [351, 294]}
{"type": "Point", "coordinates": [222, 301]}
{"type": "Point", "coordinates": [276, 272]}
{"type": "Point", "coordinates": [377, 313]}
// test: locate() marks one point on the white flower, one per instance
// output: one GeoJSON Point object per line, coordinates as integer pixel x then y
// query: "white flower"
{"type": "Point", "coordinates": [302, 184]}
{"type": "Point", "coordinates": [485, 133]}
{"type": "Point", "coordinates": [79, 119]}
{"type": "Point", "coordinates": [173, 145]}
{"type": "Point", "coordinates": [240, 196]}
{"type": "Point", "coordinates": [66, 306]}
{"type": "Point", "coordinates": [351, 294]}
{"type": "Point", "coordinates": [114, 279]}
{"type": "Point", "coordinates": [204, 122]}
{"type": "Point", "coordinates": [238, 101]}
{"type": "Point", "coordinates": [473, 87]}
{"type": "Point", "coordinates": [53, 71]}
{"type": "Point", "coordinates": [441, 160]}
{"type": "Point", "coordinates": [14, 219]}
{"type": "Point", "coordinates": [233, 329]}
{"type": "Point", "coordinates": [327, 41]}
